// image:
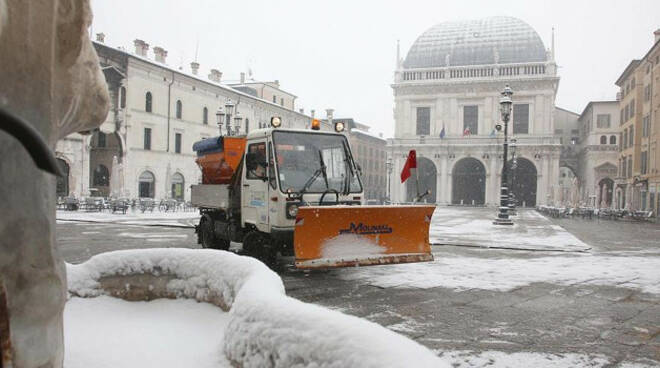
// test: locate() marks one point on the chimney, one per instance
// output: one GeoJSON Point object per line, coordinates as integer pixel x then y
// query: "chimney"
{"type": "Point", "coordinates": [141, 47]}
{"type": "Point", "coordinates": [242, 77]}
{"type": "Point", "coordinates": [657, 35]}
{"type": "Point", "coordinates": [215, 75]}
{"type": "Point", "coordinates": [313, 111]}
{"type": "Point", "coordinates": [302, 111]}
{"type": "Point", "coordinates": [100, 37]}
{"type": "Point", "coordinates": [160, 54]}
{"type": "Point", "coordinates": [277, 83]}
{"type": "Point", "coordinates": [195, 67]}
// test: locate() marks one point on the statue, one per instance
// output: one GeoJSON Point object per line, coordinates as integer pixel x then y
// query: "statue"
{"type": "Point", "coordinates": [51, 79]}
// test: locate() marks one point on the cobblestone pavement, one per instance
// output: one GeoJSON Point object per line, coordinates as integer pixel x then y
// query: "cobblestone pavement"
{"type": "Point", "coordinates": [619, 323]}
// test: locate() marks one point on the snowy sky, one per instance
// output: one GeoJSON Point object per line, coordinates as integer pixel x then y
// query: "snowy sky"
{"type": "Point", "coordinates": [341, 54]}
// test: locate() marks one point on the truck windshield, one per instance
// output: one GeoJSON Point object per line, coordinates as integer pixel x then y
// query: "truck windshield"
{"type": "Point", "coordinates": [299, 163]}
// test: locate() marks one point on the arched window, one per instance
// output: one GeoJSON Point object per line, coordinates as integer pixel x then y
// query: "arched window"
{"type": "Point", "coordinates": [101, 176]}
{"type": "Point", "coordinates": [122, 97]}
{"type": "Point", "coordinates": [147, 102]}
{"type": "Point", "coordinates": [100, 139]}
{"type": "Point", "coordinates": [146, 185]}
{"type": "Point", "coordinates": [179, 109]}
{"type": "Point", "coordinates": [205, 116]}
{"type": "Point", "coordinates": [62, 188]}
{"type": "Point", "coordinates": [177, 186]}
{"type": "Point", "coordinates": [612, 139]}
{"type": "Point", "coordinates": [603, 139]}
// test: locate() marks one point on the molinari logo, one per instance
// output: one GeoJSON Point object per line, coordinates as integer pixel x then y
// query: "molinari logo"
{"type": "Point", "coordinates": [363, 229]}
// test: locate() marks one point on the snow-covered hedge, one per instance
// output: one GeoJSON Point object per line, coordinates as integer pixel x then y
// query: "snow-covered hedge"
{"type": "Point", "coordinates": [267, 328]}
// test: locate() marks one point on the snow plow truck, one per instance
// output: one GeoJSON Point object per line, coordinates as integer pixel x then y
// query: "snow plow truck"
{"type": "Point", "coordinates": [299, 192]}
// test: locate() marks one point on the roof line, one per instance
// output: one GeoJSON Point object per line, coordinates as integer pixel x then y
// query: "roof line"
{"type": "Point", "coordinates": [169, 68]}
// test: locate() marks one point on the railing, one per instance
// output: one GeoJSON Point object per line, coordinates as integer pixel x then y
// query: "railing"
{"type": "Point", "coordinates": [474, 72]}
{"type": "Point", "coordinates": [474, 140]}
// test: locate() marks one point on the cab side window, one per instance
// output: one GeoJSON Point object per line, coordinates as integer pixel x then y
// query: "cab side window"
{"type": "Point", "coordinates": [271, 167]}
{"type": "Point", "coordinates": [259, 149]}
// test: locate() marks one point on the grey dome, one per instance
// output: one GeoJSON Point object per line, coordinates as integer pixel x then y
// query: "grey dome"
{"type": "Point", "coordinates": [476, 42]}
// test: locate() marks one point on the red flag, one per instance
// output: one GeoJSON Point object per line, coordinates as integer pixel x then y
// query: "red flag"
{"type": "Point", "coordinates": [411, 163]}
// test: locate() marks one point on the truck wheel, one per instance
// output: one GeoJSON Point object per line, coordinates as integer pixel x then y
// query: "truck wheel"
{"type": "Point", "coordinates": [259, 245]}
{"type": "Point", "coordinates": [209, 240]}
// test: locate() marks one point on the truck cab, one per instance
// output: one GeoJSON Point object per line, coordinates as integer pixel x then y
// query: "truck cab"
{"type": "Point", "coordinates": [280, 171]}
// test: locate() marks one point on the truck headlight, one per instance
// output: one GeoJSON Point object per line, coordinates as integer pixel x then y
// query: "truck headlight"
{"type": "Point", "coordinates": [291, 210]}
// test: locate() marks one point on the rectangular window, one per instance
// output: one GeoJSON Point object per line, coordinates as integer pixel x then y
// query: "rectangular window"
{"type": "Point", "coordinates": [559, 131]}
{"type": "Point", "coordinates": [147, 138]}
{"type": "Point", "coordinates": [624, 168]}
{"type": "Point", "coordinates": [626, 110]}
{"type": "Point", "coordinates": [471, 119]}
{"type": "Point", "coordinates": [644, 162]}
{"type": "Point", "coordinates": [646, 125]}
{"type": "Point", "coordinates": [177, 143]}
{"type": "Point", "coordinates": [632, 107]}
{"type": "Point", "coordinates": [274, 99]}
{"type": "Point", "coordinates": [629, 167]}
{"type": "Point", "coordinates": [621, 120]}
{"type": "Point", "coordinates": [423, 120]}
{"type": "Point", "coordinates": [603, 121]}
{"type": "Point", "coordinates": [521, 119]}
{"type": "Point", "coordinates": [259, 149]}
{"type": "Point", "coordinates": [625, 139]}
{"type": "Point", "coordinates": [631, 140]}
{"type": "Point", "coordinates": [647, 93]}
{"type": "Point", "coordinates": [282, 101]}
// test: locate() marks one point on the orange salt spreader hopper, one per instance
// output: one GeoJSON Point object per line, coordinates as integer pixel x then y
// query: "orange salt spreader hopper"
{"type": "Point", "coordinates": [344, 236]}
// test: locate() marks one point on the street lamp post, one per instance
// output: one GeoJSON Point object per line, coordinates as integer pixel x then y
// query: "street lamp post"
{"type": "Point", "coordinates": [220, 118]}
{"type": "Point", "coordinates": [229, 111]}
{"type": "Point", "coordinates": [389, 167]}
{"type": "Point", "coordinates": [514, 166]}
{"type": "Point", "coordinates": [505, 110]}
{"type": "Point", "coordinates": [238, 119]}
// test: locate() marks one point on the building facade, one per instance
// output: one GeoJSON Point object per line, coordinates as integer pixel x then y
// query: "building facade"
{"type": "Point", "coordinates": [598, 153]}
{"type": "Point", "coordinates": [144, 148]}
{"type": "Point", "coordinates": [446, 107]}
{"type": "Point", "coordinates": [638, 181]}
{"type": "Point", "coordinates": [370, 153]}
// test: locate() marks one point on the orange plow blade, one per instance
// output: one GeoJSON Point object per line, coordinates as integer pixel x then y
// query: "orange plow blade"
{"type": "Point", "coordinates": [345, 236]}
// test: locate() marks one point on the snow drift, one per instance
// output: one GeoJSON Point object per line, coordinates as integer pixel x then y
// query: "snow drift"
{"type": "Point", "coordinates": [266, 327]}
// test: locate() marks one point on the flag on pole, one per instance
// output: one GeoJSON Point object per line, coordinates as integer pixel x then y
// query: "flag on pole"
{"type": "Point", "coordinates": [442, 132]}
{"type": "Point", "coordinates": [411, 163]}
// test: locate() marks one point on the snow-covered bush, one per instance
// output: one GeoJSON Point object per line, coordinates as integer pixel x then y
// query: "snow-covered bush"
{"type": "Point", "coordinates": [266, 328]}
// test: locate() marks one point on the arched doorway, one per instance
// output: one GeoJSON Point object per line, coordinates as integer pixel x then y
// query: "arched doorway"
{"type": "Point", "coordinates": [177, 186]}
{"type": "Point", "coordinates": [468, 182]}
{"type": "Point", "coordinates": [101, 179]}
{"type": "Point", "coordinates": [146, 185]}
{"type": "Point", "coordinates": [524, 182]}
{"type": "Point", "coordinates": [62, 186]}
{"type": "Point", "coordinates": [103, 148]}
{"type": "Point", "coordinates": [605, 193]}
{"type": "Point", "coordinates": [427, 181]}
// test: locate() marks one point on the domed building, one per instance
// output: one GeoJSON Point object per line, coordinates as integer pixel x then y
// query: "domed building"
{"type": "Point", "coordinates": [446, 107]}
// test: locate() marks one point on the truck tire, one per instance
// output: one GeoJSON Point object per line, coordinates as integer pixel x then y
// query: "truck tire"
{"type": "Point", "coordinates": [209, 240]}
{"type": "Point", "coordinates": [260, 246]}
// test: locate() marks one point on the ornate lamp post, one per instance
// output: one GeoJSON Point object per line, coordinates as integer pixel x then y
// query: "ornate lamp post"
{"type": "Point", "coordinates": [229, 111]}
{"type": "Point", "coordinates": [389, 166]}
{"type": "Point", "coordinates": [220, 118]}
{"type": "Point", "coordinates": [505, 110]}
{"type": "Point", "coordinates": [238, 119]}
{"type": "Point", "coordinates": [514, 166]}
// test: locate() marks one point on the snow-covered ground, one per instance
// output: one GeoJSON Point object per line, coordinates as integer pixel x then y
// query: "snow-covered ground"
{"type": "Point", "coordinates": [108, 332]}
{"type": "Point", "coordinates": [474, 227]}
{"type": "Point", "coordinates": [503, 274]}
{"type": "Point", "coordinates": [179, 218]}
{"type": "Point", "coordinates": [498, 359]}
